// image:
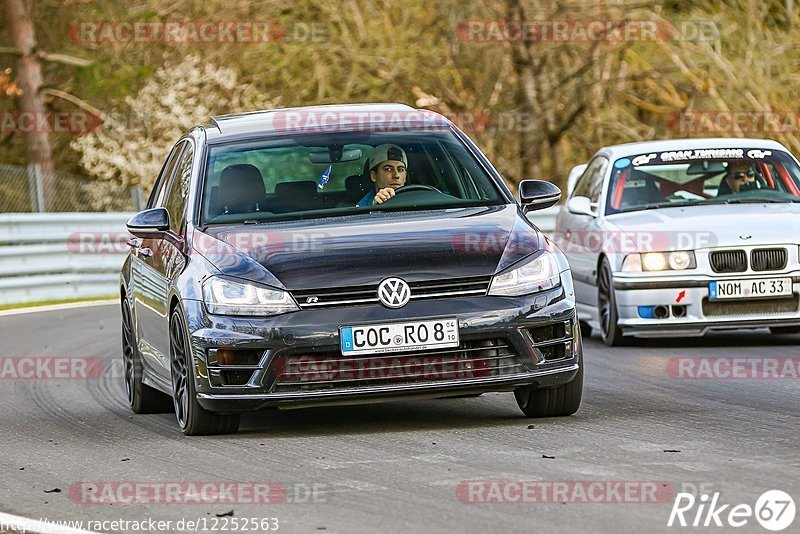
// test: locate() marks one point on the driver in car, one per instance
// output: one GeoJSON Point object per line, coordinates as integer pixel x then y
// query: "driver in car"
{"type": "Point", "coordinates": [387, 171]}
{"type": "Point", "coordinates": [740, 176]}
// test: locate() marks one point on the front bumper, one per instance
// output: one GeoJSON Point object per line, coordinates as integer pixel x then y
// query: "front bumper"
{"type": "Point", "coordinates": [515, 321]}
{"type": "Point", "coordinates": [698, 315]}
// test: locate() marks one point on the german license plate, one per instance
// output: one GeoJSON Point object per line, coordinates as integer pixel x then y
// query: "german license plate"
{"type": "Point", "coordinates": [396, 337]}
{"type": "Point", "coordinates": [752, 288]}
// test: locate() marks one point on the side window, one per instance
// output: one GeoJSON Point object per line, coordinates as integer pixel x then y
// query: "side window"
{"type": "Point", "coordinates": [179, 191]}
{"type": "Point", "coordinates": [597, 179]}
{"type": "Point", "coordinates": [584, 186]}
{"type": "Point", "coordinates": [166, 171]}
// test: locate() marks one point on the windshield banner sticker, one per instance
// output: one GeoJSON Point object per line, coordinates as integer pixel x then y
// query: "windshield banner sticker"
{"type": "Point", "coordinates": [715, 153]}
{"type": "Point", "coordinates": [696, 154]}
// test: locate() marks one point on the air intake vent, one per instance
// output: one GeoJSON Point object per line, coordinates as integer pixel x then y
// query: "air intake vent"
{"type": "Point", "coordinates": [762, 306]}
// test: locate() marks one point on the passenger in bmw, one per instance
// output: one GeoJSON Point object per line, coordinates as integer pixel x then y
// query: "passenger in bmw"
{"type": "Point", "coordinates": [388, 171]}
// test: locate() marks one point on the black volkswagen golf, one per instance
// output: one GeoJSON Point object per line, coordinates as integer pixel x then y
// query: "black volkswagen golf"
{"type": "Point", "coordinates": [337, 255]}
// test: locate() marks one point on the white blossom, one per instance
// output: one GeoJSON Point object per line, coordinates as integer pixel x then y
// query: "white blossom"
{"type": "Point", "coordinates": [130, 148]}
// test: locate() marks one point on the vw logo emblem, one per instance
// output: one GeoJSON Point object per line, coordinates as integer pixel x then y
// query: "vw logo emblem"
{"type": "Point", "coordinates": [394, 293]}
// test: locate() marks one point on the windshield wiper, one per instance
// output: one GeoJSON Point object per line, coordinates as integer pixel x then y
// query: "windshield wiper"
{"type": "Point", "coordinates": [756, 201]}
{"type": "Point", "coordinates": [656, 205]}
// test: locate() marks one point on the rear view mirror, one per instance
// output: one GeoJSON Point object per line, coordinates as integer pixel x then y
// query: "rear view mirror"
{"type": "Point", "coordinates": [706, 167]}
{"type": "Point", "coordinates": [582, 206]}
{"type": "Point", "coordinates": [537, 195]}
{"type": "Point", "coordinates": [149, 224]}
{"type": "Point", "coordinates": [335, 155]}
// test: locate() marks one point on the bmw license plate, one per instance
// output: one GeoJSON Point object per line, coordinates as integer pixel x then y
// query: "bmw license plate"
{"type": "Point", "coordinates": [752, 288]}
{"type": "Point", "coordinates": [396, 337]}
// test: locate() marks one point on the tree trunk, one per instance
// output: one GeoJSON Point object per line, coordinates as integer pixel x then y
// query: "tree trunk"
{"type": "Point", "coordinates": [556, 172]}
{"type": "Point", "coordinates": [31, 104]}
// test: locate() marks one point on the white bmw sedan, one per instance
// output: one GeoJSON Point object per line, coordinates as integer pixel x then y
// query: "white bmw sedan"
{"type": "Point", "coordinates": [674, 238]}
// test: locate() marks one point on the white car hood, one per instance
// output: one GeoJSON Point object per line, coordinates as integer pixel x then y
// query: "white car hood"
{"type": "Point", "coordinates": [710, 225]}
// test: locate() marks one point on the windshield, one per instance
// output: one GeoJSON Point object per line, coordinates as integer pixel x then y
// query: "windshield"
{"type": "Point", "coordinates": [333, 174]}
{"type": "Point", "coordinates": [690, 177]}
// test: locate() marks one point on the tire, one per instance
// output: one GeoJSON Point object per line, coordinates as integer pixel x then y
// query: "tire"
{"type": "Point", "coordinates": [141, 398]}
{"type": "Point", "coordinates": [610, 331]}
{"type": "Point", "coordinates": [560, 401]}
{"type": "Point", "coordinates": [779, 330]}
{"type": "Point", "coordinates": [193, 419]}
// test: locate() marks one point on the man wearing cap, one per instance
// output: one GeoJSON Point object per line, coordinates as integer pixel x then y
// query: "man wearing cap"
{"type": "Point", "coordinates": [387, 170]}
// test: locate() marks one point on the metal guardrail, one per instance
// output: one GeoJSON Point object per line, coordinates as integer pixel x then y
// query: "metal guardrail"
{"type": "Point", "coordinates": [62, 256]}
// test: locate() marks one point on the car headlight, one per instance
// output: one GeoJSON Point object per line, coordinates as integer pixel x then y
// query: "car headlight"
{"type": "Point", "coordinates": [679, 260]}
{"type": "Point", "coordinates": [537, 275]}
{"type": "Point", "coordinates": [226, 297]}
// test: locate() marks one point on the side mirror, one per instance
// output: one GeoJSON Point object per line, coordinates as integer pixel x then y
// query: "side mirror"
{"type": "Point", "coordinates": [537, 195]}
{"type": "Point", "coordinates": [582, 206]}
{"type": "Point", "coordinates": [574, 174]}
{"type": "Point", "coordinates": [149, 224]}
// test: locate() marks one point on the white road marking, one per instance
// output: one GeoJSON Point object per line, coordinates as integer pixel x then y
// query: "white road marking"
{"type": "Point", "coordinates": [57, 307]}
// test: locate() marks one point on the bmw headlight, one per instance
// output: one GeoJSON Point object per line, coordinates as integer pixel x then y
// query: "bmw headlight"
{"type": "Point", "coordinates": [224, 296]}
{"type": "Point", "coordinates": [537, 275]}
{"type": "Point", "coordinates": [679, 260]}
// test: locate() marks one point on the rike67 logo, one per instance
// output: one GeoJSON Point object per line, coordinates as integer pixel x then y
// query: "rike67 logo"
{"type": "Point", "coordinates": [774, 510]}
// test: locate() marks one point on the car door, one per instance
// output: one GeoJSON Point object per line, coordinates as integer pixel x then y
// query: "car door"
{"type": "Point", "coordinates": [149, 287]}
{"type": "Point", "coordinates": [580, 235]}
{"type": "Point", "coordinates": [170, 259]}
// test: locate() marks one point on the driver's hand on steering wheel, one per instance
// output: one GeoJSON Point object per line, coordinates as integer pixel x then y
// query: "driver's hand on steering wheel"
{"type": "Point", "coordinates": [383, 195]}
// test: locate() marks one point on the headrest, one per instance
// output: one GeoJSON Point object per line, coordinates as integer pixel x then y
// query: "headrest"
{"type": "Point", "coordinates": [241, 188]}
{"type": "Point", "coordinates": [358, 185]}
{"type": "Point", "coordinates": [306, 188]}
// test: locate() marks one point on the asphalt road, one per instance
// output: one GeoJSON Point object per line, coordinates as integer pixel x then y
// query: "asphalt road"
{"type": "Point", "coordinates": [396, 467]}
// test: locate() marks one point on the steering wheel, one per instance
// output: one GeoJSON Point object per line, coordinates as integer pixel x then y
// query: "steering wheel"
{"type": "Point", "coordinates": [414, 187]}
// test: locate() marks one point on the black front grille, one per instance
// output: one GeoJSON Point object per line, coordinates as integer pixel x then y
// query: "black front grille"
{"type": "Point", "coordinates": [427, 289]}
{"type": "Point", "coordinates": [471, 360]}
{"type": "Point", "coordinates": [768, 259]}
{"type": "Point", "coordinates": [728, 261]}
